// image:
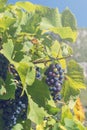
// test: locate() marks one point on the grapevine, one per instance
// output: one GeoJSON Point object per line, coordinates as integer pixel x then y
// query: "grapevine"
{"type": "Point", "coordinates": [39, 79]}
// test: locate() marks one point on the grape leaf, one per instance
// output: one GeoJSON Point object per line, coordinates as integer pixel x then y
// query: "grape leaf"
{"type": "Point", "coordinates": [66, 49]}
{"type": "Point", "coordinates": [2, 4]}
{"type": "Point", "coordinates": [68, 19]}
{"type": "Point", "coordinates": [66, 113]}
{"type": "Point", "coordinates": [19, 56]}
{"type": "Point", "coordinates": [80, 125]}
{"type": "Point", "coordinates": [74, 80]}
{"type": "Point", "coordinates": [35, 113]}
{"type": "Point", "coordinates": [18, 127]}
{"type": "Point", "coordinates": [65, 33]}
{"type": "Point", "coordinates": [26, 72]}
{"type": "Point", "coordinates": [70, 124]}
{"type": "Point", "coordinates": [55, 49]}
{"type": "Point", "coordinates": [8, 49]}
{"type": "Point", "coordinates": [75, 71]}
{"type": "Point", "coordinates": [30, 24]}
{"type": "Point", "coordinates": [9, 86]}
{"type": "Point", "coordinates": [39, 92]}
{"type": "Point", "coordinates": [56, 52]}
{"type": "Point", "coordinates": [26, 124]}
{"type": "Point", "coordinates": [6, 22]}
{"type": "Point", "coordinates": [28, 6]}
{"type": "Point", "coordinates": [51, 19]}
{"type": "Point", "coordinates": [2, 89]}
{"type": "Point", "coordinates": [33, 8]}
{"type": "Point", "coordinates": [23, 125]}
{"type": "Point", "coordinates": [56, 127]}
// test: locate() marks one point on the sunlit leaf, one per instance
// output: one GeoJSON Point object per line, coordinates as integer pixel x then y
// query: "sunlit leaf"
{"type": "Point", "coordinates": [26, 72]}
{"type": "Point", "coordinates": [35, 113]}
{"type": "Point", "coordinates": [6, 22]}
{"type": "Point", "coordinates": [8, 49]}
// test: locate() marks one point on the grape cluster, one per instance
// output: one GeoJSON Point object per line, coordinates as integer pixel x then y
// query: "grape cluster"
{"type": "Point", "coordinates": [3, 66]}
{"type": "Point", "coordinates": [14, 110]}
{"type": "Point", "coordinates": [54, 79]}
{"type": "Point", "coordinates": [38, 73]}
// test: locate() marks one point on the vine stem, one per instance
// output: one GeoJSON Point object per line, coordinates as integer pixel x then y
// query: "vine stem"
{"type": "Point", "coordinates": [45, 61]}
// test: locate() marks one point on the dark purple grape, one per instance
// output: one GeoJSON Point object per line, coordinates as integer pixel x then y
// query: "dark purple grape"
{"type": "Point", "coordinates": [50, 73]}
{"type": "Point", "coordinates": [59, 97]}
{"type": "Point", "coordinates": [3, 66]}
{"type": "Point", "coordinates": [14, 109]}
{"type": "Point", "coordinates": [38, 73]}
{"type": "Point", "coordinates": [54, 80]}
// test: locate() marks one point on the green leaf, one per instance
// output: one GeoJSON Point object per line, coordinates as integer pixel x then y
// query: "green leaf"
{"type": "Point", "coordinates": [2, 90]}
{"type": "Point", "coordinates": [26, 72]}
{"type": "Point", "coordinates": [52, 110]}
{"type": "Point", "coordinates": [26, 124]}
{"type": "Point", "coordinates": [80, 125]}
{"type": "Point", "coordinates": [28, 6]}
{"type": "Point", "coordinates": [68, 19]}
{"type": "Point", "coordinates": [18, 127]}
{"type": "Point", "coordinates": [51, 19]}
{"type": "Point", "coordinates": [39, 92]}
{"type": "Point", "coordinates": [23, 125]}
{"type": "Point", "coordinates": [8, 49]}
{"type": "Point", "coordinates": [2, 4]}
{"type": "Point", "coordinates": [70, 124]}
{"type": "Point", "coordinates": [66, 113]}
{"type": "Point", "coordinates": [65, 33]}
{"type": "Point", "coordinates": [55, 49]}
{"type": "Point", "coordinates": [27, 46]}
{"type": "Point", "coordinates": [56, 52]}
{"type": "Point", "coordinates": [56, 127]}
{"type": "Point", "coordinates": [75, 71]}
{"type": "Point", "coordinates": [33, 8]}
{"type": "Point", "coordinates": [9, 87]}
{"type": "Point", "coordinates": [66, 50]}
{"type": "Point", "coordinates": [36, 113]}
{"type": "Point", "coordinates": [6, 22]}
{"type": "Point", "coordinates": [19, 56]}
{"type": "Point", "coordinates": [70, 89]}
{"type": "Point", "coordinates": [32, 24]}
{"type": "Point", "coordinates": [74, 82]}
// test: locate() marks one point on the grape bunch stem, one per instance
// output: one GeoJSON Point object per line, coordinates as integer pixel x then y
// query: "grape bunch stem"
{"type": "Point", "coordinates": [45, 61]}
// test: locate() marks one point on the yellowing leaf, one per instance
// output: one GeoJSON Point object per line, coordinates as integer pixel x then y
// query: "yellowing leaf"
{"type": "Point", "coordinates": [79, 111]}
{"type": "Point", "coordinates": [41, 126]}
